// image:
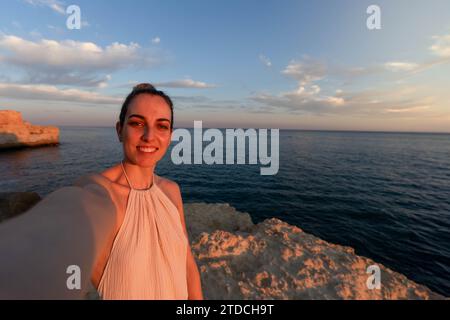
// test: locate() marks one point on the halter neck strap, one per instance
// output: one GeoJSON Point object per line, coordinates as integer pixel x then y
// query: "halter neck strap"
{"type": "Point", "coordinates": [129, 183]}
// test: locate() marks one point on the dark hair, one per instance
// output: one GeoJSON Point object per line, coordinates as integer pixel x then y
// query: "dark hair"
{"type": "Point", "coordinates": [145, 88]}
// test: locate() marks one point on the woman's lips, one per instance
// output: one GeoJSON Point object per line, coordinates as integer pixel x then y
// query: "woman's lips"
{"type": "Point", "coordinates": [147, 149]}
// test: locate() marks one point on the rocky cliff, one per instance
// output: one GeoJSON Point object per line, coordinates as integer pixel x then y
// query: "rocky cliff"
{"type": "Point", "coordinates": [14, 132]}
{"type": "Point", "coordinates": [275, 260]}
{"type": "Point", "coordinates": [14, 203]}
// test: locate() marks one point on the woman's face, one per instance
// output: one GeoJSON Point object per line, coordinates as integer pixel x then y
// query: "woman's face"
{"type": "Point", "coordinates": [146, 132]}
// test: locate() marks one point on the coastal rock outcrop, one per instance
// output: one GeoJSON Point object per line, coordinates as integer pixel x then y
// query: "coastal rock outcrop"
{"type": "Point", "coordinates": [16, 133]}
{"type": "Point", "coordinates": [15, 203]}
{"type": "Point", "coordinates": [275, 260]}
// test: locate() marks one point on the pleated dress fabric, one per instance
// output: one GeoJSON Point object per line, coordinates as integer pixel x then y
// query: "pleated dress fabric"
{"type": "Point", "coordinates": [148, 257]}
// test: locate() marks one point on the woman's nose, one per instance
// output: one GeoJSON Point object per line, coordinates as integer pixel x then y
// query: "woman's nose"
{"type": "Point", "coordinates": [148, 134]}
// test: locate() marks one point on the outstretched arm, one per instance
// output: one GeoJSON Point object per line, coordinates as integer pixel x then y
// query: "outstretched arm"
{"type": "Point", "coordinates": [67, 228]}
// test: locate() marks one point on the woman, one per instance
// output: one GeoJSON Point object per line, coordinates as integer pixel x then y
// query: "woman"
{"type": "Point", "coordinates": [148, 254]}
{"type": "Point", "coordinates": [122, 230]}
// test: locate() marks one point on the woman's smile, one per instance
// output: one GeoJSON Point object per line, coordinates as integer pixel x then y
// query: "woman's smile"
{"type": "Point", "coordinates": [147, 149]}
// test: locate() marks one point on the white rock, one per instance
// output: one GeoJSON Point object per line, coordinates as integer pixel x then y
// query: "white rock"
{"type": "Point", "coordinates": [14, 132]}
{"type": "Point", "coordinates": [275, 260]}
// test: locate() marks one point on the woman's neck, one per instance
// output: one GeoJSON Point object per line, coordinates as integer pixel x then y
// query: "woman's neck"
{"type": "Point", "coordinates": [140, 177]}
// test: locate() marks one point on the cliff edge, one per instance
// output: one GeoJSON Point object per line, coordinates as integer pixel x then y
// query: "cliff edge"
{"type": "Point", "coordinates": [274, 260]}
{"type": "Point", "coordinates": [16, 133]}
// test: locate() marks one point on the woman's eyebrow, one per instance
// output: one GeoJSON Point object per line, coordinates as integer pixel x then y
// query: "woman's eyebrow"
{"type": "Point", "coordinates": [137, 116]}
{"type": "Point", "coordinates": [163, 119]}
{"type": "Point", "coordinates": [143, 118]}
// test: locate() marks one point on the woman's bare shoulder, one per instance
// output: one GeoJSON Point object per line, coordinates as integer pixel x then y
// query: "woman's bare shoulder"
{"type": "Point", "coordinates": [112, 173]}
{"type": "Point", "coordinates": [170, 188]}
{"type": "Point", "coordinates": [167, 184]}
{"type": "Point", "coordinates": [105, 181]}
{"type": "Point", "coordinates": [105, 178]}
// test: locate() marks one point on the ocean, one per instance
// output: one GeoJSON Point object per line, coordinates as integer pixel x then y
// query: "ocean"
{"type": "Point", "coordinates": [387, 195]}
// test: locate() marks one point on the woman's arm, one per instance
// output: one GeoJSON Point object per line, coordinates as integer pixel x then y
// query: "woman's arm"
{"type": "Point", "coordinates": [192, 273]}
{"type": "Point", "coordinates": [193, 278]}
{"type": "Point", "coordinates": [37, 248]}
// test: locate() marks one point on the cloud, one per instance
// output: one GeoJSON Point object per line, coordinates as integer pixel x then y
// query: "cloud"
{"type": "Point", "coordinates": [71, 62]}
{"type": "Point", "coordinates": [441, 46]}
{"type": "Point", "coordinates": [311, 74]}
{"type": "Point", "coordinates": [306, 71]}
{"type": "Point", "coordinates": [70, 79]}
{"type": "Point", "coordinates": [156, 40]}
{"type": "Point", "coordinates": [394, 102]}
{"type": "Point", "coordinates": [440, 49]}
{"type": "Point", "coordinates": [186, 83]}
{"type": "Point", "coordinates": [52, 93]}
{"type": "Point", "coordinates": [191, 99]}
{"type": "Point", "coordinates": [302, 100]}
{"type": "Point", "coordinates": [309, 98]}
{"type": "Point", "coordinates": [413, 109]}
{"type": "Point", "coordinates": [400, 66]}
{"type": "Point", "coordinates": [266, 61]}
{"type": "Point", "coordinates": [68, 54]}
{"type": "Point", "coordinates": [55, 5]}
{"type": "Point", "coordinates": [200, 103]}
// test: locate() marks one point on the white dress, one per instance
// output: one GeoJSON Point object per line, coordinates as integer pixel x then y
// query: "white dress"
{"type": "Point", "coordinates": [148, 256]}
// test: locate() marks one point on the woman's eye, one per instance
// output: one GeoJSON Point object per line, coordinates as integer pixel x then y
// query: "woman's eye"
{"type": "Point", "coordinates": [162, 126]}
{"type": "Point", "coordinates": [134, 124]}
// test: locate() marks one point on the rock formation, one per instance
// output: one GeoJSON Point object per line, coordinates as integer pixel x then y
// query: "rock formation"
{"type": "Point", "coordinates": [15, 203]}
{"type": "Point", "coordinates": [275, 260]}
{"type": "Point", "coordinates": [14, 132]}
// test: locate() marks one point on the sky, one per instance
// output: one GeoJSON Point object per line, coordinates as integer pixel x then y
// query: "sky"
{"type": "Point", "coordinates": [311, 65]}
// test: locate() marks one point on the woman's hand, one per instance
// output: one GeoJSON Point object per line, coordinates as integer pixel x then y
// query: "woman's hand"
{"type": "Point", "coordinates": [62, 232]}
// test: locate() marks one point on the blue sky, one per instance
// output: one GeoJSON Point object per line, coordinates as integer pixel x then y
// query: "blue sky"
{"type": "Point", "coordinates": [271, 64]}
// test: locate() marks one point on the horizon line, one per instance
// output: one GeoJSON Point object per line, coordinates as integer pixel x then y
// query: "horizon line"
{"type": "Point", "coordinates": [283, 129]}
